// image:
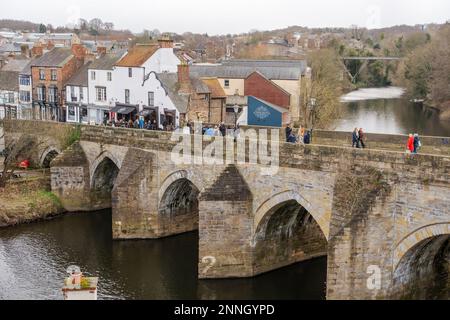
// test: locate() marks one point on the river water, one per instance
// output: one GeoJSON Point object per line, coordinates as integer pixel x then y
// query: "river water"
{"type": "Point", "coordinates": [384, 110]}
{"type": "Point", "coordinates": [33, 257]}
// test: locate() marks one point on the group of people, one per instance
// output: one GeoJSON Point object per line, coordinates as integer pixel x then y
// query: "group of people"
{"type": "Point", "coordinates": [302, 136]}
{"type": "Point", "coordinates": [139, 123]}
{"type": "Point", "coordinates": [414, 143]}
{"type": "Point", "coordinates": [358, 138]}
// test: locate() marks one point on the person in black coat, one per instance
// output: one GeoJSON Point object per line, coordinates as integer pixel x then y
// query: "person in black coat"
{"type": "Point", "coordinates": [288, 132]}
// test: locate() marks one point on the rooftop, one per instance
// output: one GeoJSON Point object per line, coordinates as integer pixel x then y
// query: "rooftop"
{"type": "Point", "coordinates": [169, 82]}
{"type": "Point", "coordinates": [241, 69]}
{"type": "Point", "coordinates": [57, 57]}
{"type": "Point", "coordinates": [215, 87]}
{"type": "Point", "coordinates": [9, 80]}
{"type": "Point", "coordinates": [106, 61]}
{"type": "Point", "coordinates": [138, 55]}
{"type": "Point", "coordinates": [80, 78]}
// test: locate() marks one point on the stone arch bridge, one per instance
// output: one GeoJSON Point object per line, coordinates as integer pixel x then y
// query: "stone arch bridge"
{"type": "Point", "coordinates": [381, 217]}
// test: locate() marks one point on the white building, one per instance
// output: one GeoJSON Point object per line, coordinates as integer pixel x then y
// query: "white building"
{"type": "Point", "coordinates": [136, 85]}
{"type": "Point", "coordinates": [9, 94]}
{"type": "Point", "coordinates": [123, 86]}
{"type": "Point", "coordinates": [77, 97]}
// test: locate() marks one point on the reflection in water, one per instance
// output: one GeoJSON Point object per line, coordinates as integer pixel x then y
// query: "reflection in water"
{"type": "Point", "coordinates": [34, 257]}
{"type": "Point", "coordinates": [392, 116]}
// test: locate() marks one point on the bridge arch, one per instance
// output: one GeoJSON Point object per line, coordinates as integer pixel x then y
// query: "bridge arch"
{"type": "Point", "coordinates": [47, 156]}
{"type": "Point", "coordinates": [422, 264]}
{"type": "Point", "coordinates": [286, 232]}
{"type": "Point", "coordinates": [178, 204]}
{"type": "Point", "coordinates": [282, 197]}
{"type": "Point", "coordinates": [416, 237]}
{"type": "Point", "coordinates": [103, 179]}
{"type": "Point", "coordinates": [101, 158]}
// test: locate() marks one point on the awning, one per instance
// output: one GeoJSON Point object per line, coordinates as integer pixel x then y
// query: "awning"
{"type": "Point", "coordinates": [147, 111]}
{"type": "Point", "coordinates": [123, 110]}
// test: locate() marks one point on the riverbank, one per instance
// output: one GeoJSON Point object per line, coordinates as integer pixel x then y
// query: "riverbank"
{"type": "Point", "coordinates": [28, 200]}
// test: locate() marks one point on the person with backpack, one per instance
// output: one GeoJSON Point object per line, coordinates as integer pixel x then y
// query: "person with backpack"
{"type": "Point", "coordinates": [417, 144]}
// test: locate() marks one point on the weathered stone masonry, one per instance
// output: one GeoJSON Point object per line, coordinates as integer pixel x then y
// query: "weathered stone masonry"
{"type": "Point", "coordinates": [398, 222]}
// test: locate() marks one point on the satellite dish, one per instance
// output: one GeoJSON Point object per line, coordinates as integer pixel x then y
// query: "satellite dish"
{"type": "Point", "coordinates": [73, 269]}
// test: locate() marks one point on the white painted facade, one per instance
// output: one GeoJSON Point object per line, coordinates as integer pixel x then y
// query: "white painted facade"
{"type": "Point", "coordinates": [9, 98]}
{"type": "Point", "coordinates": [106, 88]}
{"type": "Point", "coordinates": [25, 110]}
{"type": "Point", "coordinates": [77, 101]}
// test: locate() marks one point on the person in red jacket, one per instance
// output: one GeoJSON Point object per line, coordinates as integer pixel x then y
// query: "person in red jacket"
{"type": "Point", "coordinates": [410, 144]}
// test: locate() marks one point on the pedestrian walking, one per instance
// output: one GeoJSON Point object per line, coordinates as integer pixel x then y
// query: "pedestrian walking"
{"type": "Point", "coordinates": [410, 144]}
{"type": "Point", "coordinates": [288, 132]}
{"type": "Point", "coordinates": [355, 138]}
{"type": "Point", "coordinates": [417, 143]}
{"type": "Point", "coordinates": [362, 138]}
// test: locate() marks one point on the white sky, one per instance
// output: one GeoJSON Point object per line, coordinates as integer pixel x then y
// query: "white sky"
{"type": "Point", "coordinates": [230, 16]}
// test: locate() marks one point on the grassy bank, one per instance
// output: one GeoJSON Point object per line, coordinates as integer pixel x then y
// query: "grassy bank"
{"type": "Point", "coordinates": [28, 200]}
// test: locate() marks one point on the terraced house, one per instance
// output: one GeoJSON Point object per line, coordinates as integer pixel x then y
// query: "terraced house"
{"type": "Point", "coordinates": [50, 73]}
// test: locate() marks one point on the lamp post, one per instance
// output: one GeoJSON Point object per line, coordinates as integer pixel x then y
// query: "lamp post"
{"type": "Point", "coordinates": [312, 108]}
{"type": "Point", "coordinates": [236, 111]}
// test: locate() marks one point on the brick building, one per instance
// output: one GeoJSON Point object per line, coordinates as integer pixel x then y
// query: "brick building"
{"type": "Point", "coordinates": [257, 85]}
{"type": "Point", "coordinates": [49, 74]}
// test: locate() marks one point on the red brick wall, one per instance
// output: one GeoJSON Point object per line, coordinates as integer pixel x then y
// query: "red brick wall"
{"type": "Point", "coordinates": [63, 74]}
{"type": "Point", "coordinates": [258, 86]}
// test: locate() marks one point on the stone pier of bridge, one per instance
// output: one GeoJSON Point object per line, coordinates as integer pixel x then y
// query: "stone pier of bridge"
{"type": "Point", "coordinates": [381, 217]}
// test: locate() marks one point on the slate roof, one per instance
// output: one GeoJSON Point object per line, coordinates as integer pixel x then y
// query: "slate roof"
{"type": "Point", "coordinates": [57, 57]}
{"type": "Point", "coordinates": [137, 55]}
{"type": "Point", "coordinates": [9, 80]}
{"type": "Point", "coordinates": [80, 78]}
{"type": "Point", "coordinates": [10, 47]}
{"type": "Point", "coordinates": [241, 69]}
{"type": "Point", "coordinates": [169, 82]}
{"type": "Point", "coordinates": [106, 61]}
{"type": "Point", "coordinates": [16, 65]}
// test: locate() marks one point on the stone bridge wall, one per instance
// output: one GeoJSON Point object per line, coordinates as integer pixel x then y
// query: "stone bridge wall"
{"type": "Point", "coordinates": [365, 208]}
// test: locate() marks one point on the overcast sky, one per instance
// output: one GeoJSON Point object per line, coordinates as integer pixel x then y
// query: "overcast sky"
{"type": "Point", "coordinates": [230, 16]}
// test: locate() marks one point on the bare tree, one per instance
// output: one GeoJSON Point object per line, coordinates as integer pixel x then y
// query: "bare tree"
{"type": "Point", "coordinates": [321, 98]}
{"type": "Point", "coordinates": [14, 151]}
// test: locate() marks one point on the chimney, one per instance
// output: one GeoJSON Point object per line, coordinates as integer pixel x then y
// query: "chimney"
{"type": "Point", "coordinates": [50, 45]}
{"type": "Point", "coordinates": [78, 51]}
{"type": "Point", "coordinates": [165, 42]}
{"type": "Point", "coordinates": [101, 50]}
{"type": "Point", "coordinates": [90, 57]}
{"type": "Point", "coordinates": [184, 81]}
{"type": "Point", "coordinates": [37, 51]}
{"type": "Point", "coordinates": [25, 50]}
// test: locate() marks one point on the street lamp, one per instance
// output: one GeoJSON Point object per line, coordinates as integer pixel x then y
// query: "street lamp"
{"type": "Point", "coordinates": [236, 111]}
{"type": "Point", "coordinates": [312, 107]}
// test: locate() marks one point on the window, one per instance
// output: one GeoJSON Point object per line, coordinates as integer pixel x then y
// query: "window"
{"type": "Point", "coordinates": [151, 99]}
{"type": "Point", "coordinates": [71, 116]}
{"type": "Point", "coordinates": [41, 74]}
{"type": "Point", "coordinates": [92, 75]}
{"type": "Point", "coordinates": [130, 72]}
{"type": "Point", "coordinates": [100, 93]}
{"type": "Point", "coordinates": [54, 75]}
{"type": "Point", "coordinates": [109, 76]}
{"type": "Point", "coordinates": [25, 96]}
{"type": "Point", "coordinates": [81, 93]}
{"type": "Point", "coordinates": [10, 97]}
{"type": "Point", "coordinates": [127, 96]}
{"type": "Point", "coordinates": [41, 93]}
{"type": "Point", "coordinates": [227, 83]}
{"type": "Point", "coordinates": [52, 94]}
{"type": "Point", "coordinates": [24, 80]}
{"type": "Point", "coordinates": [84, 115]}
{"type": "Point", "coordinates": [73, 96]}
